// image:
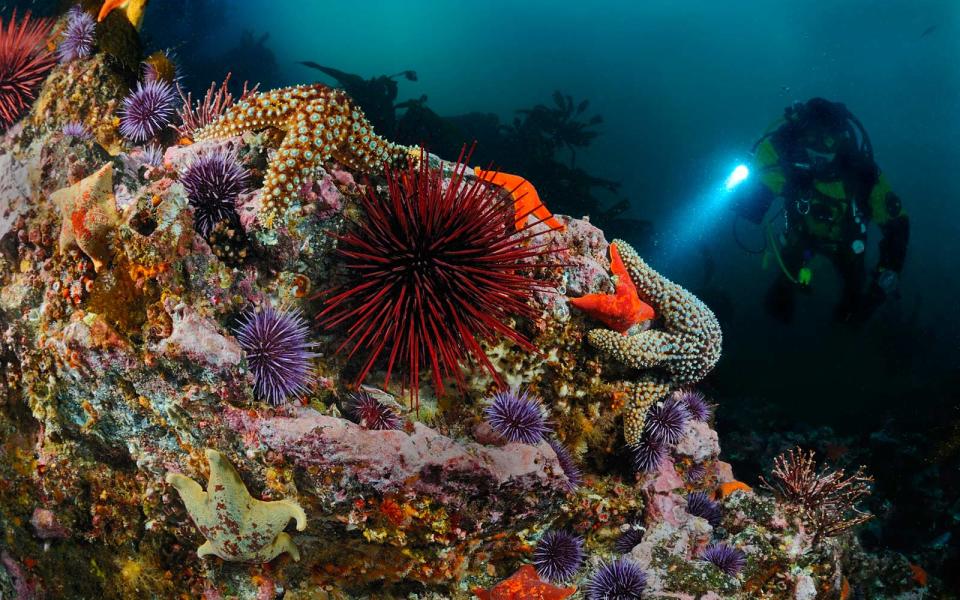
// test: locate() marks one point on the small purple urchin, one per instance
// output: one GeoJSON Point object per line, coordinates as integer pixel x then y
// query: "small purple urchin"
{"type": "Point", "coordinates": [371, 413]}
{"type": "Point", "coordinates": [700, 505]}
{"type": "Point", "coordinates": [78, 36]}
{"type": "Point", "coordinates": [696, 472]}
{"type": "Point", "coordinates": [666, 421]}
{"type": "Point", "coordinates": [558, 556]}
{"type": "Point", "coordinates": [648, 454]}
{"type": "Point", "coordinates": [629, 539]}
{"type": "Point", "coordinates": [213, 182]}
{"type": "Point", "coordinates": [728, 559]}
{"type": "Point", "coordinates": [567, 464]}
{"type": "Point", "coordinates": [621, 579]}
{"type": "Point", "coordinates": [278, 352]}
{"type": "Point", "coordinates": [696, 403]}
{"type": "Point", "coordinates": [76, 129]}
{"type": "Point", "coordinates": [517, 416]}
{"type": "Point", "coordinates": [153, 155]}
{"type": "Point", "coordinates": [148, 110]}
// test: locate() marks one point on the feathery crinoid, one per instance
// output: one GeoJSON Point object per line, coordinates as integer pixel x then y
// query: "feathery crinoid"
{"type": "Point", "coordinates": [197, 115]}
{"type": "Point", "coordinates": [279, 351]}
{"type": "Point", "coordinates": [437, 268]}
{"type": "Point", "coordinates": [24, 62]}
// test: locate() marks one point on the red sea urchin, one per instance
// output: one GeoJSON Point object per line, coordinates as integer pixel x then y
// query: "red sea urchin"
{"type": "Point", "coordinates": [437, 269]}
{"type": "Point", "coordinates": [24, 62]}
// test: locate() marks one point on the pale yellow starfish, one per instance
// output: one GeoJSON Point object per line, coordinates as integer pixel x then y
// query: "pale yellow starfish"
{"type": "Point", "coordinates": [319, 123]}
{"type": "Point", "coordinates": [89, 218]}
{"type": "Point", "coordinates": [238, 527]}
{"type": "Point", "coordinates": [681, 353]}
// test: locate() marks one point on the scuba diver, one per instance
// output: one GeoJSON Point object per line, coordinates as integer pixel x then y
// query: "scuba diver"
{"type": "Point", "coordinates": [819, 160]}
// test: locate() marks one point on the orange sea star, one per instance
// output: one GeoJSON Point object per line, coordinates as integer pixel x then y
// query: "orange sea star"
{"type": "Point", "coordinates": [526, 200]}
{"type": "Point", "coordinates": [525, 584]}
{"type": "Point", "coordinates": [621, 310]}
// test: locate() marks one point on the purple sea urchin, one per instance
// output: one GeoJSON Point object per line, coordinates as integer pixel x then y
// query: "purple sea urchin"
{"type": "Point", "coordinates": [371, 413]}
{"type": "Point", "coordinates": [76, 129]}
{"type": "Point", "coordinates": [696, 472]}
{"type": "Point", "coordinates": [213, 182]}
{"type": "Point", "coordinates": [517, 416]}
{"type": "Point", "coordinates": [648, 454]}
{"type": "Point", "coordinates": [153, 155]}
{"type": "Point", "coordinates": [628, 540]}
{"type": "Point", "coordinates": [567, 464]}
{"type": "Point", "coordinates": [621, 579]}
{"type": "Point", "coordinates": [78, 36]}
{"type": "Point", "coordinates": [558, 555]}
{"type": "Point", "coordinates": [666, 421]}
{"type": "Point", "coordinates": [728, 559]}
{"type": "Point", "coordinates": [699, 504]}
{"type": "Point", "coordinates": [696, 403]}
{"type": "Point", "coordinates": [147, 110]}
{"type": "Point", "coordinates": [278, 351]}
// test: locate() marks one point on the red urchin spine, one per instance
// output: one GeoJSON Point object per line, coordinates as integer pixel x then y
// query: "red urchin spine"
{"type": "Point", "coordinates": [24, 62]}
{"type": "Point", "coordinates": [438, 269]}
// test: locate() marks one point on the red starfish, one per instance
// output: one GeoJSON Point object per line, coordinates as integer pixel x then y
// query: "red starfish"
{"type": "Point", "coordinates": [621, 310]}
{"type": "Point", "coordinates": [525, 584]}
{"type": "Point", "coordinates": [526, 200]}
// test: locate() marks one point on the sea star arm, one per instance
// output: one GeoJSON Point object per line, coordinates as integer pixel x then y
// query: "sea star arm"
{"type": "Point", "coordinates": [191, 491]}
{"type": "Point", "coordinates": [641, 395]}
{"type": "Point", "coordinates": [643, 350]}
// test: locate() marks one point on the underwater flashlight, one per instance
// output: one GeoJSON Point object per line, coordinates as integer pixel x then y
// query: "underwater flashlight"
{"type": "Point", "coordinates": [738, 176]}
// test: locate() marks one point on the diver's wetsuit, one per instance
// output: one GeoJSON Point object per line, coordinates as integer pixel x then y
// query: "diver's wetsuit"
{"type": "Point", "coordinates": [820, 162]}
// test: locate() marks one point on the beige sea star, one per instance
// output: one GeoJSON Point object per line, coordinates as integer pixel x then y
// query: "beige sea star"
{"type": "Point", "coordinates": [319, 123]}
{"type": "Point", "coordinates": [238, 527]}
{"type": "Point", "coordinates": [89, 217]}
{"type": "Point", "coordinates": [680, 354]}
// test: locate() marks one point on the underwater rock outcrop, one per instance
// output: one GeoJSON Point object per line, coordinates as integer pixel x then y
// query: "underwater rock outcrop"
{"type": "Point", "coordinates": [124, 379]}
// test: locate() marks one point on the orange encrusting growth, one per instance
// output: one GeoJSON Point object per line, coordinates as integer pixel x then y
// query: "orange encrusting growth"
{"type": "Point", "coordinates": [108, 7]}
{"type": "Point", "coordinates": [621, 310]}
{"type": "Point", "coordinates": [725, 489]}
{"type": "Point", "coordinates": [525, 584]}
{"type": "Point", "coordinates": [526, 200]}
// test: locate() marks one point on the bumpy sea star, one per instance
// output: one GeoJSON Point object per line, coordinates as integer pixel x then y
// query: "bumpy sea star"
{"type": "Point", "coordinates": [237, 526]}
{"type": "Point", "coordinates": [680, 354]}
{"type": "Point", "coordinates": [319, 123]}
{"type": "Point", "coordinates": [89, 216]}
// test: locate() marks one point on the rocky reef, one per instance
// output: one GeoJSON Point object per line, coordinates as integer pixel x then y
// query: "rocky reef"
{"type": "Point", "coordinates": [142, 458]}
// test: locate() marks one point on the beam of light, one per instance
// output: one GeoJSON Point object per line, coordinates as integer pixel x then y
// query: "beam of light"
{"type": "Point", "coordinates": [697, 223]}
{"type": "Point", "coordinates": [738, 176]}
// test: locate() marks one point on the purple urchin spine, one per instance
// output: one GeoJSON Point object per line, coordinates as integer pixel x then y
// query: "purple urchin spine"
{"type": "Point", "coordinates": [278, 350]}
{"type": "Point", "coordinates": [700, 505]}
{"type": "Point", "coordinates": [567, 464]}
{"type": "Point", "coordinates": [76, 129]}
{"type": "Point", "coordinates": [628, 540]}
{"type": "Point", "coordinates": [621, 579]}
{"type": "Point", "coordinates": [667, 420]}
{"type": "Point", "coordinates": [517, 416]}
{"type": "Point", "coordinates": [213, 183]}
{"type": "Point", "coordinates": [728, 559]}
{"type": "Point", "coordinates": [148, 110]}
{"type": "Point", "coordinates": [696, 403]}
{"type": "Point", "coordinates": [153, 155]}
{"type": "Point", "coordinates": [648, 454]}
{"type": "Point", "coordinates": [371, 413]}
{"type": "Point", "coordinates": [558, 555]}
{"type": "Point", "coordinates": [78, 36]}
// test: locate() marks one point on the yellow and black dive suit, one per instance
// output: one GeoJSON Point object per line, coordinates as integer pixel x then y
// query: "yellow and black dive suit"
{"type": "Point", "coordinates": [819, 160]}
